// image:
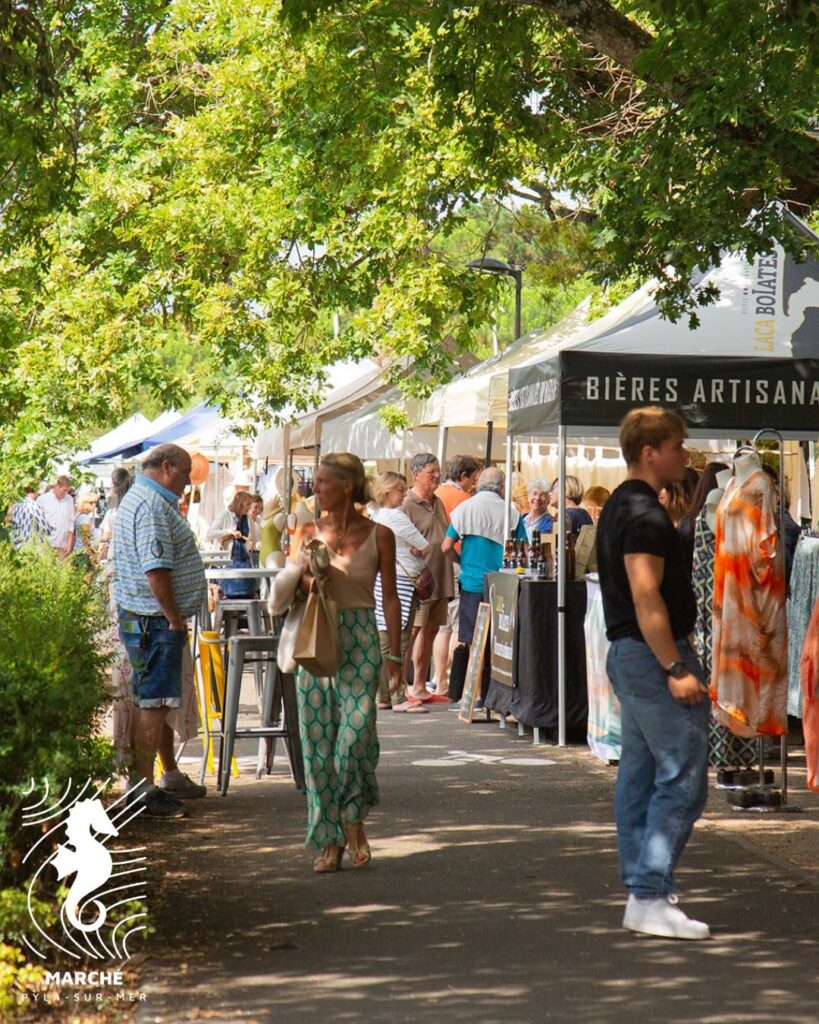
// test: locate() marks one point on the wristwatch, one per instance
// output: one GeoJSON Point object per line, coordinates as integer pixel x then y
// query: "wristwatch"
{"type": "Point", "coordinates": [676, 669]}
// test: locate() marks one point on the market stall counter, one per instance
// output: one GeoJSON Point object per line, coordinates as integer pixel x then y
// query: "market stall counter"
{"type": "Point", "coordinates": [523, 645]}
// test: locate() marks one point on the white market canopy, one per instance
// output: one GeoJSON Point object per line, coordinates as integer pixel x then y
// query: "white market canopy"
{"type": "Point", "coordinates": [363, 433]}
{"type": "Point", "coordinates": [134, 427]}
{"type": "Point", "coordinates": [481, 395]}
{"type": "Point", "coordinates": [127, 438]}
{"type": "Point", "coordinates": [355, 383]}
{"type": "Point", "coordinates": [753, 361]}
{"type": "Point", "coordinates": [464, 406]}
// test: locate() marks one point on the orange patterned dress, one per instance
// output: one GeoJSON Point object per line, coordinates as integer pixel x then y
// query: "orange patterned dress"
{"type": "Point", "coordinates": [749, 676]}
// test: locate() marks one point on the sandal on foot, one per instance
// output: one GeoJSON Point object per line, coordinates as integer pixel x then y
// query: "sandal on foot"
{"type": "Point", "coordinates": [411, 708]}
{"type": "Point", "coordinates": [383, 706]}
{"type": "Point", "coordinates": [358, 849]}
{"type": "Point", "coordinates": [328, 860]}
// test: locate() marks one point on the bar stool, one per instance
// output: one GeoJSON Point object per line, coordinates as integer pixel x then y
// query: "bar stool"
{"type": "Point", "coordinates": [229, 612]}
{"type": "Point", "coordinates": [211, 696]}
{"type": "Point", "coordinates": [278, 698]}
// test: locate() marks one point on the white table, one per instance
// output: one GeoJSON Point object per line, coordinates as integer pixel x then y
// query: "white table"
{"type": "Point", "coordinates": [222, 572]}
{"type": "Point", "coordinates": [216, 573]}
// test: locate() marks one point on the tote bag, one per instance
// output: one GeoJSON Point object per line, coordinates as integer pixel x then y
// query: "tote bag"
{"type": "Point", "coordinates": [316, 648]}
{"type": "Point", "coordinates": [287, 638]}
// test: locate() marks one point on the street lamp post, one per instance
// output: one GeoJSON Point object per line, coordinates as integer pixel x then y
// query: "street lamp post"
{"type": "Point", "coordinates": [489, 265]}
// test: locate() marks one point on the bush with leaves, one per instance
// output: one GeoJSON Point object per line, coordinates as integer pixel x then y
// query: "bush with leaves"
{"type": "Point", "coordinates": [53, 688]}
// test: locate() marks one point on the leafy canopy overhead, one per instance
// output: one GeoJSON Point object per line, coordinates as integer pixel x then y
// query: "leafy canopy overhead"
{"type": "Point", "coordinates": [216, 182]}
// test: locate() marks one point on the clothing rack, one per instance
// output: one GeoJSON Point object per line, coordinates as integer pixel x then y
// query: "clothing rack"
{"type": "Point", "coordinates": [783, 806]}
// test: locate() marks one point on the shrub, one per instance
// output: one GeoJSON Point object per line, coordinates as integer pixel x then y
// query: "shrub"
{"type": "Point", "coordinates": [53, 688]}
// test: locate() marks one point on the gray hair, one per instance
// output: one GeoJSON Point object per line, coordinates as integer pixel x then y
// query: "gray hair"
{"type": "Point", "coordinates": [537, 485]}
{"type": "Point", "coordinates": [421, 461]}
{"type": "Point", "coordinates": [492, 479]}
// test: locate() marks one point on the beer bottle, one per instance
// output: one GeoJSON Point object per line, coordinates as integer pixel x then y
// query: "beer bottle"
{"type": "Point", "coordinates": [508, 552]}
{"type": "Point", "coordinates": [548, 561]}
{"type": "Point", "coordinates": [571, 561]}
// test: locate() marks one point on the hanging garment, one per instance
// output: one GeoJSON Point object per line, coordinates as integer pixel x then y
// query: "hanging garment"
{"type": "Point", "coordinates": [724, 749]}
{"type": "Point", "coordinates": [809, 665]}
{"type": "Point", "coordinates": [802, 598]}
{"type": "Point", "coordinates": [702, 579]}
{"type": "Point", "coordinates": [749, 675]}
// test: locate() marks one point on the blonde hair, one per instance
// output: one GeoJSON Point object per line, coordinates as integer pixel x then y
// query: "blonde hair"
{"type": "Point", "coordinates": [239, 498]}
{"type": "Point", "coordinates": [87, 502]}
{"type": "Point", "coordinates": [574, 490]}
{"type": "Point", "coordinates": [649, 426]}
{"type": "Point", "coordinates": [384, 483]}
{"type": "Point", "coordinates": [520, 499]}
{"type": "Point", "coordinates": [348, 468]}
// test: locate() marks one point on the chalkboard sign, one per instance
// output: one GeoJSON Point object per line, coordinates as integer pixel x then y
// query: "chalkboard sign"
{"type": "Point", "coordinates": [503, 599]}
{"type": "Point", "coordinates": [474, 670]}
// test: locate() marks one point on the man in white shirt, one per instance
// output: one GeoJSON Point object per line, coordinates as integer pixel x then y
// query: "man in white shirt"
{"type": "Point", "coordinates": [58, 506]}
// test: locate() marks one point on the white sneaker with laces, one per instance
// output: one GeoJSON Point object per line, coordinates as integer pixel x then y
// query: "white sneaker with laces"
{"type": "Point", "coordinates": [662, 917]}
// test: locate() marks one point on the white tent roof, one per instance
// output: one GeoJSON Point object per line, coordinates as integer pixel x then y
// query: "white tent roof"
{"type": "Point", "coordinates": [768, 308]}
{"type": "Point", "coordinates": [354, 384]}
{"type": "Point", "coordinates": [481, 395]}
{"type": "Point", "coordinates": [362, 432]}
{"type": "Point", "coordinates": [127, 435]}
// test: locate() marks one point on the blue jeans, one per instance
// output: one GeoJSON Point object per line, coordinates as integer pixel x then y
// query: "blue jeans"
{"type": "Point", "coordinates": [662, 783]}
{"type": "Point", "coordinates": [156, 662]}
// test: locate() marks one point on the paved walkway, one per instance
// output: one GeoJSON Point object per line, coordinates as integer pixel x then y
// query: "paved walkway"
{"type": "Point", "coordinates": [493, 898]}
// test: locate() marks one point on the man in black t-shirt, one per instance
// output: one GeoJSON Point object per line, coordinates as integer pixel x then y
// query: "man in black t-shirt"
{"type": "Point", "coordinates": [649, 607]}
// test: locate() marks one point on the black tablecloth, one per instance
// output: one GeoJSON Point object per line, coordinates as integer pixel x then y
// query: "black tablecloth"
{"type": "Point", "coordinates": [533, 701]}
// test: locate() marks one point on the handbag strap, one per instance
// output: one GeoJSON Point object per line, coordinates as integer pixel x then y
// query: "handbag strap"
{"type": "Point", "coordinates": [413, 579]}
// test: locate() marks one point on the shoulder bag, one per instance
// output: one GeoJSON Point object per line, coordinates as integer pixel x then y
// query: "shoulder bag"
{"type": "Point", "coordinates": [424, 581]}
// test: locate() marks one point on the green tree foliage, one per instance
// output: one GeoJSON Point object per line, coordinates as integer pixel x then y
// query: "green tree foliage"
{"type": "Point", "coordinates": [235, 175]}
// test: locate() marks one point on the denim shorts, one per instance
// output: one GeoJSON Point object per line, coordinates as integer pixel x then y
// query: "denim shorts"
{"type": "Point", "coordinates": [157, 665]}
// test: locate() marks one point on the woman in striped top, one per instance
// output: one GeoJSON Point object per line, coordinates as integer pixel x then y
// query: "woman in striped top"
{"type": "Point", "coordinates": [410, 547]}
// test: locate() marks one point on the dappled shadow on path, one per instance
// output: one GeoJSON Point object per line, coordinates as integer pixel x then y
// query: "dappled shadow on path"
{"type": "Point", "coordinates": [493, 898]}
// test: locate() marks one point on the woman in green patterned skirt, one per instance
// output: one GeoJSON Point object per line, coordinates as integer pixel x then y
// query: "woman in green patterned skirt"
{"type": "Point", "coordinates": [337, 716]}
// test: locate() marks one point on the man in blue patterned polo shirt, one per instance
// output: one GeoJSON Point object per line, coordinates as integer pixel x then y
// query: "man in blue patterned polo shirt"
{"type": "Point", "coordinates": [159, 582]}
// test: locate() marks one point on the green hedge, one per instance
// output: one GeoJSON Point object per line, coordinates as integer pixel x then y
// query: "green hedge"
{"type": "Point", "coordinates": [53, 688]}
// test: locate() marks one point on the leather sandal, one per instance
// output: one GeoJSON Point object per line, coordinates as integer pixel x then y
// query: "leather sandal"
{"type": "Point", "coordinates": [328, 860]}
{"type": "Point", "coordinates": [358, 849]}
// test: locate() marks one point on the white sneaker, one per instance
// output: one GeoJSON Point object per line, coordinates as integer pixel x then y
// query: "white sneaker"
{"type": "Point", "coordinates": [662, 917]}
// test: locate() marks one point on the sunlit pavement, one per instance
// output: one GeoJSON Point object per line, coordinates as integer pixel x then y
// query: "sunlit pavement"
{"type": "Point", "coordinates": [492, 898]}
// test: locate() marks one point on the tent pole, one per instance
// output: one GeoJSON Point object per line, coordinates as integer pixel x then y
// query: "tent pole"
{"type": "Point", "coordinates": [507, 517]}
{"type": "Point", "coordinates": [443, 433]}
{"type": "Point", "coordinates": [488, 458]}
{"type": "Point", "coordinates": [288, 488]}
{"type": "Point", "coordinates": [561, 587]}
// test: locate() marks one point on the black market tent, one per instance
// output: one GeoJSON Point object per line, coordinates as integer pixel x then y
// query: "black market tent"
{"type": "Point", "coordinates": [752, 363]}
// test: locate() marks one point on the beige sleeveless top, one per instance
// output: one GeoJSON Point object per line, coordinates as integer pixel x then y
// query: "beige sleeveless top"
{"type": "Point", "coordinates": [352, 577]}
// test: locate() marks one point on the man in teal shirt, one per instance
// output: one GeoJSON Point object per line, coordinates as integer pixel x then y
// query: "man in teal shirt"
{"type": "Point", "coordinates": [478, 525]}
